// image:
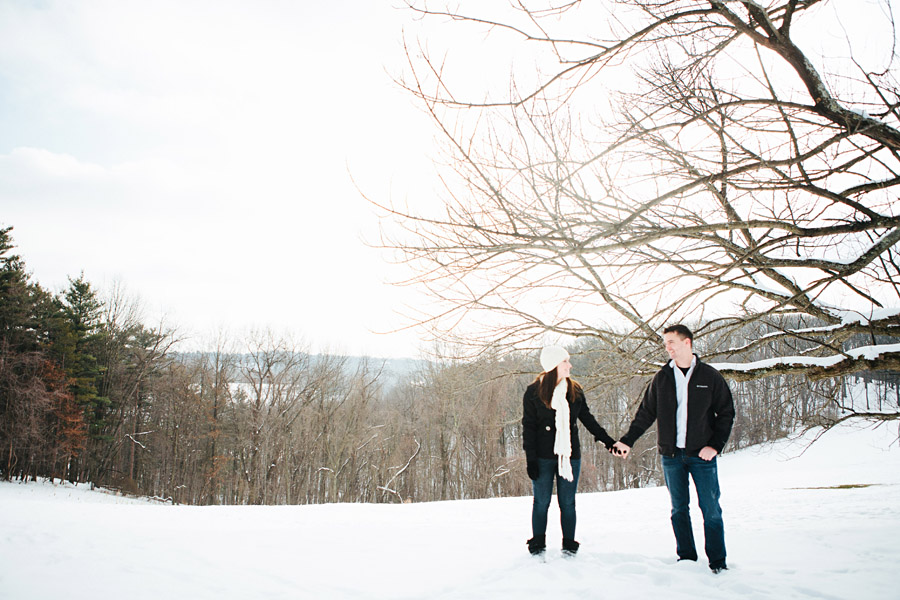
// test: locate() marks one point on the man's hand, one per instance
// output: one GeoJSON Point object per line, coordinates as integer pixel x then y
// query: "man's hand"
{"type": "Point", "coordinates": [620, 449]}
{"type": "Point", "coordinates": [708, 453]}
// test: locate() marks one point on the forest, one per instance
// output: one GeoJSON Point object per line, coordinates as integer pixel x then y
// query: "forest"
{"type": "Point", "coordinates": [91, 394]}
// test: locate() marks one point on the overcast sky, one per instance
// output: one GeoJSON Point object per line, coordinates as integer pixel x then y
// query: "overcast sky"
{"type": "Point", "coordinates": [203, 153]}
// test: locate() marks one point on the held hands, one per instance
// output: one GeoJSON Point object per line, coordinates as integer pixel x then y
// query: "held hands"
{"type": "Point", "coordinates": [621, 450]}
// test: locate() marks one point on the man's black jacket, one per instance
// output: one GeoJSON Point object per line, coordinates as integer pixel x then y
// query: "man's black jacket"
{"type": "Point", "coordinates": [710, 410]}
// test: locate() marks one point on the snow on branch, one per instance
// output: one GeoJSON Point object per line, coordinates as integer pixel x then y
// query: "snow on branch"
{"type": "Point", "coordinates": [386, 487]}
{"type": "Point", "coordinates": [132, 436]}
{"type": "Point", "coordinates": [877, 357]}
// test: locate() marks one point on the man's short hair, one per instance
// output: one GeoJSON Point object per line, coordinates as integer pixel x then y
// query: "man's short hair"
{"type": "Point", "coordinates": [681, 330]}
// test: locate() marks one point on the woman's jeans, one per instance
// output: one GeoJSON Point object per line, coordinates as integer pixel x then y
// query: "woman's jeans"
{"type": "Point", "coordinates": [565, 496]}
{"type": "Point", "coordinates": [706, 480]}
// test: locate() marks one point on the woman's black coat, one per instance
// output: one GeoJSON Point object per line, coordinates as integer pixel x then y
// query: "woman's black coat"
{"type": "Point", "coordinates": [539, 424]}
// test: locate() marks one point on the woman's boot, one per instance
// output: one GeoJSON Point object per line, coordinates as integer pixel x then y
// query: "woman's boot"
{"type": "Point", "coordinates": [570, 547]}
{"type": "Point", "coordinates": [537, 544]}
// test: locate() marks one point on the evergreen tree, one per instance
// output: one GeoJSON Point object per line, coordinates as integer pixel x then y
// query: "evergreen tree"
{"type": "Point", "coordinates": [17, 298]}
{"type": "Point", "coordinates": [41, 427]}
{"type": "Point", "coordinates": [79, 343]}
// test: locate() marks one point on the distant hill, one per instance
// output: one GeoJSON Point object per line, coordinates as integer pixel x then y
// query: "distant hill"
{"type": "Point", "coordinates": [394, 369]}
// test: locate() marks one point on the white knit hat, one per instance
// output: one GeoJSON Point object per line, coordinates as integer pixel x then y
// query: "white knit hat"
{"type": "Point", "coordinates": [551, 356]}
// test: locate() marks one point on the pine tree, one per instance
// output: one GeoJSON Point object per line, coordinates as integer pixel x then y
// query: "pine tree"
{"type": "Point", "coordinates": [41, 428]}
{"type": "Point", "coordinates": [17, 298]}
{"type": "Point", "coordinates": [80, 343]}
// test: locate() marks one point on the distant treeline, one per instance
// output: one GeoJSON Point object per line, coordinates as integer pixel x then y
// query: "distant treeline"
{"type": "Point", "coordinates": [89, 393]}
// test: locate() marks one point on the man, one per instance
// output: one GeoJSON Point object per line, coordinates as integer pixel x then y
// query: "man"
{"type": "Point", "coordinates": [694, 411]}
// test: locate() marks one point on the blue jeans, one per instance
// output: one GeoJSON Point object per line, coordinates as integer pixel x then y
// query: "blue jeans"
{"type": "Point", "coordinates": [565, 496]}
{"type": "Point", "coordinates": [706, 480]}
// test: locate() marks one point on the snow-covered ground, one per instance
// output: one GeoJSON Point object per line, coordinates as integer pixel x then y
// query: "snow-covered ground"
{"type": "Point", "coordinates": [801, 522]}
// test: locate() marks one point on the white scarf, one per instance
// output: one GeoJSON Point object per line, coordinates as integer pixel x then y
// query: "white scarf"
{"type": "Point", "coordinates": [562, 446]}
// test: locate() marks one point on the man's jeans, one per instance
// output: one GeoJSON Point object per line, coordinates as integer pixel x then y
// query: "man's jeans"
{"type": "Point", "coordinates": [565, 496]}
{"type": "Point", "coordinates": [706, 480]}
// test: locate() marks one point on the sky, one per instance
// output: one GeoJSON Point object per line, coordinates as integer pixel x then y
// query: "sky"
{"type": "Point", "coordinates": [801, 522]}
{"type": "Point", "coordinates": [211, 158]}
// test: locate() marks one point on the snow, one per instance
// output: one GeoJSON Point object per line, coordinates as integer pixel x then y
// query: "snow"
{"type": "Point", "coordinates": [850, 317]}
{"type": "Point", "coordinates": [866, 352]}
{"type": "Point", "coordinates": [792, 532]}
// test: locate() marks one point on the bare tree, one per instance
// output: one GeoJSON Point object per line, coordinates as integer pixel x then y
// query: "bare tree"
{"type": "Point", "coordinates": [216, 373]}
{"type": "Point", "coordinates": [277, 381]}
{"type": "Point", "coordinates": [680, 161]}
{"type": "Point", "coordinates": [40, 428]}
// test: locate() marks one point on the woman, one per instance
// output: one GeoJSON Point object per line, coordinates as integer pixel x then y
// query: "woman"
{"type": "Point", "coordinates": [551, 405]}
